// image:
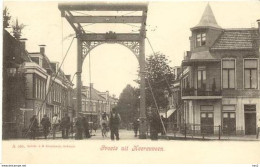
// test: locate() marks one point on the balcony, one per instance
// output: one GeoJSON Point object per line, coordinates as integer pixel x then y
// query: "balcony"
{"type": "Point", "coordinates": [191, 93]}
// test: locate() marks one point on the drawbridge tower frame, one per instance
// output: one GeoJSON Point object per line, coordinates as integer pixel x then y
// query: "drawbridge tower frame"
{"type": "Point", "coordinates": [88, 41]}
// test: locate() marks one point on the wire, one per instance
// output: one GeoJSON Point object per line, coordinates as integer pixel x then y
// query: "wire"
{"type": "Point", "coordinates": [129, 13]}
{"type": "Point", "coordinates": [156, 56]}
{"type": "Point", "coordinates": [151, 86]}
{"type": "Point", "coordinates": [88, 25]}
{"type": "Point", "coordinates": [46, 96]}
{"type": "Point", "coordinates": [85, 14]}
{"type": "Point", "coordinates": [156, 105]}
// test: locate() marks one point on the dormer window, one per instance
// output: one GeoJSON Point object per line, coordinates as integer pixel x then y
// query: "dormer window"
{"type": "Point", "coordinates": [201, 39]}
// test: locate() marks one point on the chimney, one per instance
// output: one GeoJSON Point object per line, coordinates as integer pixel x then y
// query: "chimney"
{"type": "Point", "coordinates": [258, 21]}
{"type": "Point", "coordinates": [22, 43]}
{"type": "Point", "coordinates": [42, 49]}
{"type": "Point", "coordinates": [91, 85]}
{"type": "Point", "coordinates": [68, 77]}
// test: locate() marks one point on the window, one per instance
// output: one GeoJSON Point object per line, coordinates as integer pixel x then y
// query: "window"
{"type": "Point", "coordinates": [229, 107]}
{"type": "Point", "coordinates": [202, 78]}
{"type": "Point", "coordinates": [210, 115]}
{"type": "Point", "coordinates": [207, 108]}
{"type": "Point", "coordinates": [232, 115]}
{"type": "Point", "coordinates": [203, 115]}
{"type": "Point", "coordinates": [228, 74]}
{"type": "Point", "coordinates": [201, 39]}
{"type": "Point", "coordinates": [249, 107]}
{"type": "Point", "coordinates": [250, 74]}
{"type": "Point", "coordinates": [225, 115]}
{"type": "Point", "coordinates": [83, 106]}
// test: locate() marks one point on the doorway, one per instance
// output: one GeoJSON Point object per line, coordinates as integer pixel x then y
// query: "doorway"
{"type": "Point", "coordinates": [207, 123]}
{"type": "Point", "coordinates": [250, 119]}
{"type": "Point", "coordinates": [229, 123]}
{"type": "Point", "coordinates": [250, 123]}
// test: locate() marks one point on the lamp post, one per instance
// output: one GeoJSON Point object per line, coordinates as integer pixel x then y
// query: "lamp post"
{"type": "Point", "coordinates": [166, 95]}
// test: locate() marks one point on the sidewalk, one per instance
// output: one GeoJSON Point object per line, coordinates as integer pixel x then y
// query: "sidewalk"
{"type": "Point", "coordinates": [179, 136]}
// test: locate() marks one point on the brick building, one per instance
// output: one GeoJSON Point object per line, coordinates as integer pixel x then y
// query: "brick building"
{"type": "Point", "coordinates": [94, 103]}
{"type": "Point", "coordinates": [27, 77]}
{"type": "Point", "coordinates": [13, 99]}
{"type": "Point", "coordinates": [43, 76]}
{"type": "Point", "coordinates": [220, 83]}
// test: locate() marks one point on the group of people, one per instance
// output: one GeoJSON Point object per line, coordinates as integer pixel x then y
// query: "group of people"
{"type": "Point", "coordinates": [81, 126]}
{"type": "Point", "coordinates": [157, 125]}
{"type": "Point", "coordinates": [64, 125]}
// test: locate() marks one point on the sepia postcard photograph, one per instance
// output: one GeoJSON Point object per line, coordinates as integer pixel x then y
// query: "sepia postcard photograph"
{"type": "Point", "coordinates": [130, 82]}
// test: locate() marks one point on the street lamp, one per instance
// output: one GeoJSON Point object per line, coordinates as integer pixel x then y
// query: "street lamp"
{"type": "Point", "coordinates": [166, 95]}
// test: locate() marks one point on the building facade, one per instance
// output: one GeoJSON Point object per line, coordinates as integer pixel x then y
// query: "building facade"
{"type": "Point", "coordinates": [32, 85]}
{"type": "Point", "coordinates": [220, 83]}
{"type": "Point", "coordinates": [94, 103]}
{"type": "Point", "coordinates": [49, 90]}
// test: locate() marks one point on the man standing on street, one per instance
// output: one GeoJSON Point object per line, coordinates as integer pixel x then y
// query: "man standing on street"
{"type": "Point", "coordinates": [55, 124]}
{"type": "Point", "coordinates": [46, 124]}
{"type": "Point", "coordinates": [114, 122]}
{"type": "Point", "coordinates": [136, 125]}
{"type": "Point", "coordinates": [85, 127]}
{"type": "Point", "coordinates": [33, 126]}
{"type": "Point", "coordinates": [65, 125]}
{"type": "Point", "coordinates": [79, 128]}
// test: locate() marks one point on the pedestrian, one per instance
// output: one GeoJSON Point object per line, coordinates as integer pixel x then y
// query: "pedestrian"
{"type": "Point", "coordinates": [163, 125]}
{"type": "Point", "coordinates": [65, 126]}
{"type": "Point", "coordinates": [79, 128]}
{"type": "Point", "coordinates": [46, 124]}
{"type": "Point", "coordinates": [136, 125]}
{"type": "Point", "coordinates": [85, 127]}
{"type": "Point", "coordinates": [155, 126]}
{"type": "Point", "coordinates": [95, 126]}
{"type": "Point", "coordinates": [55, 125]}
{"type": "Point", "coordinates": [72, 128]}
{"type": "Point", "coordinates": [104, 124]}
{"type": "Point", "coordinates": [114, 122]}
{"type": "Point", "coordinates": [33, 126]}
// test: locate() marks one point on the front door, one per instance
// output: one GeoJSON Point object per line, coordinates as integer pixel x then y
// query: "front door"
{"type": "Point", "coordinates": [250, 123]}
{"type": "Point", "coordinates": [229, 123]}
{"type": "Point", "coordinates": [207, 123]}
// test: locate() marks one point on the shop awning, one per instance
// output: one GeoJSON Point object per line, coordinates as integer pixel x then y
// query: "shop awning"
{"type": "Point", "coordinates": [168, 113]}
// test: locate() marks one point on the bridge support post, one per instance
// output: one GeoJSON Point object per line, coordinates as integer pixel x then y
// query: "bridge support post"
{"type": "Point", "coordinates": [79, 71]}
{"type": "Point", "coordinates": [143, 120]}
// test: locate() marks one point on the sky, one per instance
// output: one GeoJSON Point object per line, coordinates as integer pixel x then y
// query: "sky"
{"type": "Point", "coordinates": [113, 66]}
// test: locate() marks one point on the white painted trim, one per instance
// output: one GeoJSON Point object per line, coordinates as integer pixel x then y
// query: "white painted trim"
{"type": "Point", "coordinates": [30, 71]}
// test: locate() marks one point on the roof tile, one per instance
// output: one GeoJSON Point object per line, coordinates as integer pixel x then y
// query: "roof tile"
{"type": "Point", "coordinates": [236, 39]}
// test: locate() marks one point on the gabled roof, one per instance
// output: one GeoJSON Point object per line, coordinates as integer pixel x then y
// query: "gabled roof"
{"type": "Point", "coordinates": [207, 20]}
{"type": "Point", "coordinates": [13, 48]}
{"type": "Point", "coordinates": [237, 39]}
